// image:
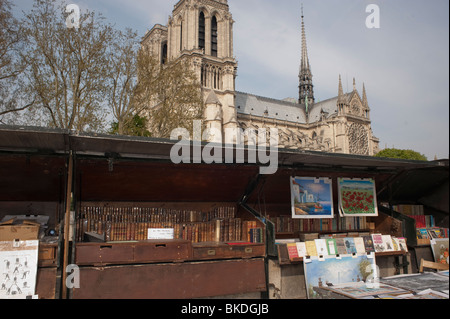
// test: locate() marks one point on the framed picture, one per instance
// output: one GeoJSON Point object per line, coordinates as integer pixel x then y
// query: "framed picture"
{"type": "Point", "coordinates": [312, 197]}
{"type": "Point", "coordinates": [357, 197]}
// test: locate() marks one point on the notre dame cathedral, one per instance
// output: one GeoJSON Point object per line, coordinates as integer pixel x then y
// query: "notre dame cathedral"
{"type": "Point", "coordinates": [202, 30]}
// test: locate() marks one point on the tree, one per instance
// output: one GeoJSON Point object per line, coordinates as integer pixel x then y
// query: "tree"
{"type": "Point", "coordinates": [13, 98]}
{"type": "Point", "coordinates": [170, 94]}
{"type": "Point", "coordinates": [122, 81]}
{"type": "Point", "coordinates": [136, 127]}
{"type": "Point", "coordinates": [401, 154]}
{"type": "Point", "coordinates": [67, 66]}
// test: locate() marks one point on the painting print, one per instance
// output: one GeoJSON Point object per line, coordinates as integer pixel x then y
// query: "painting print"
{"type": "Point", "coordinates": [439, 246]}
{"type": "Point", "coordinates": [357, 197]}
{"type": "Point", "coordinates": [312, 197]}
{"type": "Point", "coordinates": [322, 276]}
{"type": "Point", "coordinates": [18, 269]}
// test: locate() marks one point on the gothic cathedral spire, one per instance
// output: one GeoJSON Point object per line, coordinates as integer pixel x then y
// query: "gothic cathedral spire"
{"type": "Point", "coordinates": [306, 87]}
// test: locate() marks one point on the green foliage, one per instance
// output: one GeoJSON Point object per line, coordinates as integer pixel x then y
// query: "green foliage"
{"type": "Point", "coordinates": [135, 127]}
{"type": "Point", "coordinates": [401, 154]}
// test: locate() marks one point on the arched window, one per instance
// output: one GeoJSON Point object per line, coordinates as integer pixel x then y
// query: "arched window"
{"type": "Point", "coordinates": [214, 33]}
{"type": "Point", "coordinates": [164, 53]}
{"type": "Point", "coordinates": [201, 31]}
{"type": "Point", "coordinates": [181, 36]}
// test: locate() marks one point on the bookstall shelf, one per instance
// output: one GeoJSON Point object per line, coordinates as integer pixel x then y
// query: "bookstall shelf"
{"type": "Point", "coordinates": [122, 206]}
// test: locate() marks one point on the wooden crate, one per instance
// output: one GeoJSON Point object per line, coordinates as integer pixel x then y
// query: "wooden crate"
{"type": "Point", "coordinates": [47, 255]}
{"type": "Point", "coordinates": [149, 251]}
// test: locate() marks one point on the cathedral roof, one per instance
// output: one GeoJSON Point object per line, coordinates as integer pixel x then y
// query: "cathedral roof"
{"type": "Point", "coordinates": [259, 106]}
{"type": "Point", "coordinates": [328, 107]}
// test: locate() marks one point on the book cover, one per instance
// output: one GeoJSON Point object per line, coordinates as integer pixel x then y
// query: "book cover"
{"type": "Point", "coordinates": [435, 233]}
{"type": "Point", "coordinates": [378, 243]}
{"type": "Point", "coordinates": [359, 245]}
{"type": "Point", "coordinates": [422, 233]}
{"type": "Point", "coordinates": [340, 244]}
{"type": "Point", "coordinates": [311, 248]}
{"type": "Point", "coordinates": [368, 244]}
{"type": "Point", "coordinates": [402, 244]}
{"type": "Point", "coordinates": [321, 247]}
{"type": "Point", "coordinates": [301, 249]}
{"type": "Point", "coordinates": [292, 251]}
{"type": "Point", "coordinates": [396, 243]}
{"type": "Point", "coordinates": [331, 246]}
{"type": "Point", "coordinates": [387, 240]}
{"type": "Point", "coordinates": [350, 245]}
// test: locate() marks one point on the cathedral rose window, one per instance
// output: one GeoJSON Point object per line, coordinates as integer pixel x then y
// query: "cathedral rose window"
{"type": "Point", "coordinates": [358, 139]}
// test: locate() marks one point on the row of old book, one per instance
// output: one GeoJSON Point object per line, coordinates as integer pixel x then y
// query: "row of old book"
{"type": "Point", "coordinates": [287, 224]}
{"type": "Point", "coordinates": [373, 243]}
{"type": "Point", "coordinates": [224, 230]}
{"type": "Point", "coordinates": [154, 215]}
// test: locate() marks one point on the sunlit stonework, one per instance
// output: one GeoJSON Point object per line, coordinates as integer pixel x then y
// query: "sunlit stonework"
{"type": "Point", "coordinates": [202, 30]}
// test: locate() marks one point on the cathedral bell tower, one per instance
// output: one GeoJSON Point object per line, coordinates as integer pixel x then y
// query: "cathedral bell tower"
{"type": "Point", "coordinates": [306, 87]}
{"type": "Point", "coordinates": [203, 31]}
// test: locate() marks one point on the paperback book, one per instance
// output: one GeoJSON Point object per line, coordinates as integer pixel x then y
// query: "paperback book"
{"type": "Point", "coordinates": [378, 243]}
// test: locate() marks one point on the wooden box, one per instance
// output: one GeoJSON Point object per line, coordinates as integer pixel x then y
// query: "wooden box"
{"type": "Point", "coordinates": [150, 251]}
{"type": "Point", "coordinates": [172, 280]}
{"type": "Point", "coordinates": [47, 255]}
{"type": "Point", "coordinates": [211, 251]}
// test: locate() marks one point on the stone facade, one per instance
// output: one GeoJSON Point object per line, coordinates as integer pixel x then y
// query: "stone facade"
{"type": "Point", "coordinates": [202, 30]}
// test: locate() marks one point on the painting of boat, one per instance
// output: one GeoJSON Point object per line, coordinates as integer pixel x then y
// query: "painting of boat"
{"type": "Point", "coordinates": [311, 197]}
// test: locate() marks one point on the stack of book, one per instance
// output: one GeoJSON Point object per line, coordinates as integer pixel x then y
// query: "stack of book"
{"type": "Point", "coordinates": [254, 233]}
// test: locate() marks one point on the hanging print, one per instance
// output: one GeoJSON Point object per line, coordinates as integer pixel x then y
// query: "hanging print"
{"type": "Point", "coordinates": [18, 268]}
{"type": "Point", "coordinates": [357, 197]}
{"type": "Point", "coordinates": [312, 197]}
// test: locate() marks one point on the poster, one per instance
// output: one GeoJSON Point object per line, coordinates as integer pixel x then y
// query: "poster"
{"type": "Point", "coordinates": [321, 276]}
{"type": "Point", "coordinates": [439, 246]}
{"type": "Point", "coordinates": [357, 197]}
{"type": "Point", "coordinates": [18, 268]}
{"type": "Point", "coordinates": [312, 197]}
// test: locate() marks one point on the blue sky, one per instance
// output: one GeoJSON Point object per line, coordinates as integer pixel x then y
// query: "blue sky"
{"type": "Point", "coordinates": [404, 64]}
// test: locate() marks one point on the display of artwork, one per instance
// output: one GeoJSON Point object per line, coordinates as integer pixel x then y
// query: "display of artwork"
{"type": "Point", "coordinates": [362, 291]}
{"type": "Point", "coordinates": [416, 282]}
{"type": "Point", "coordinates": [312, 197]}
{"type": "Point", "coordinates": [322, 275]}
{"type": "Point", "coordinates": [357, 197]}
{"type": "Point", "coordinates": [18, 268]}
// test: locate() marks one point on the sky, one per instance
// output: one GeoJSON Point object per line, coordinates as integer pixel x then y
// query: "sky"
{"type": "Point", "coordinates": [404, 63]}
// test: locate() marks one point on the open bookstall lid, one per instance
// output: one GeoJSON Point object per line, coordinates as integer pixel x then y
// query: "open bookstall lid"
{"type": "Point", "coordinates": [33, 165]}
